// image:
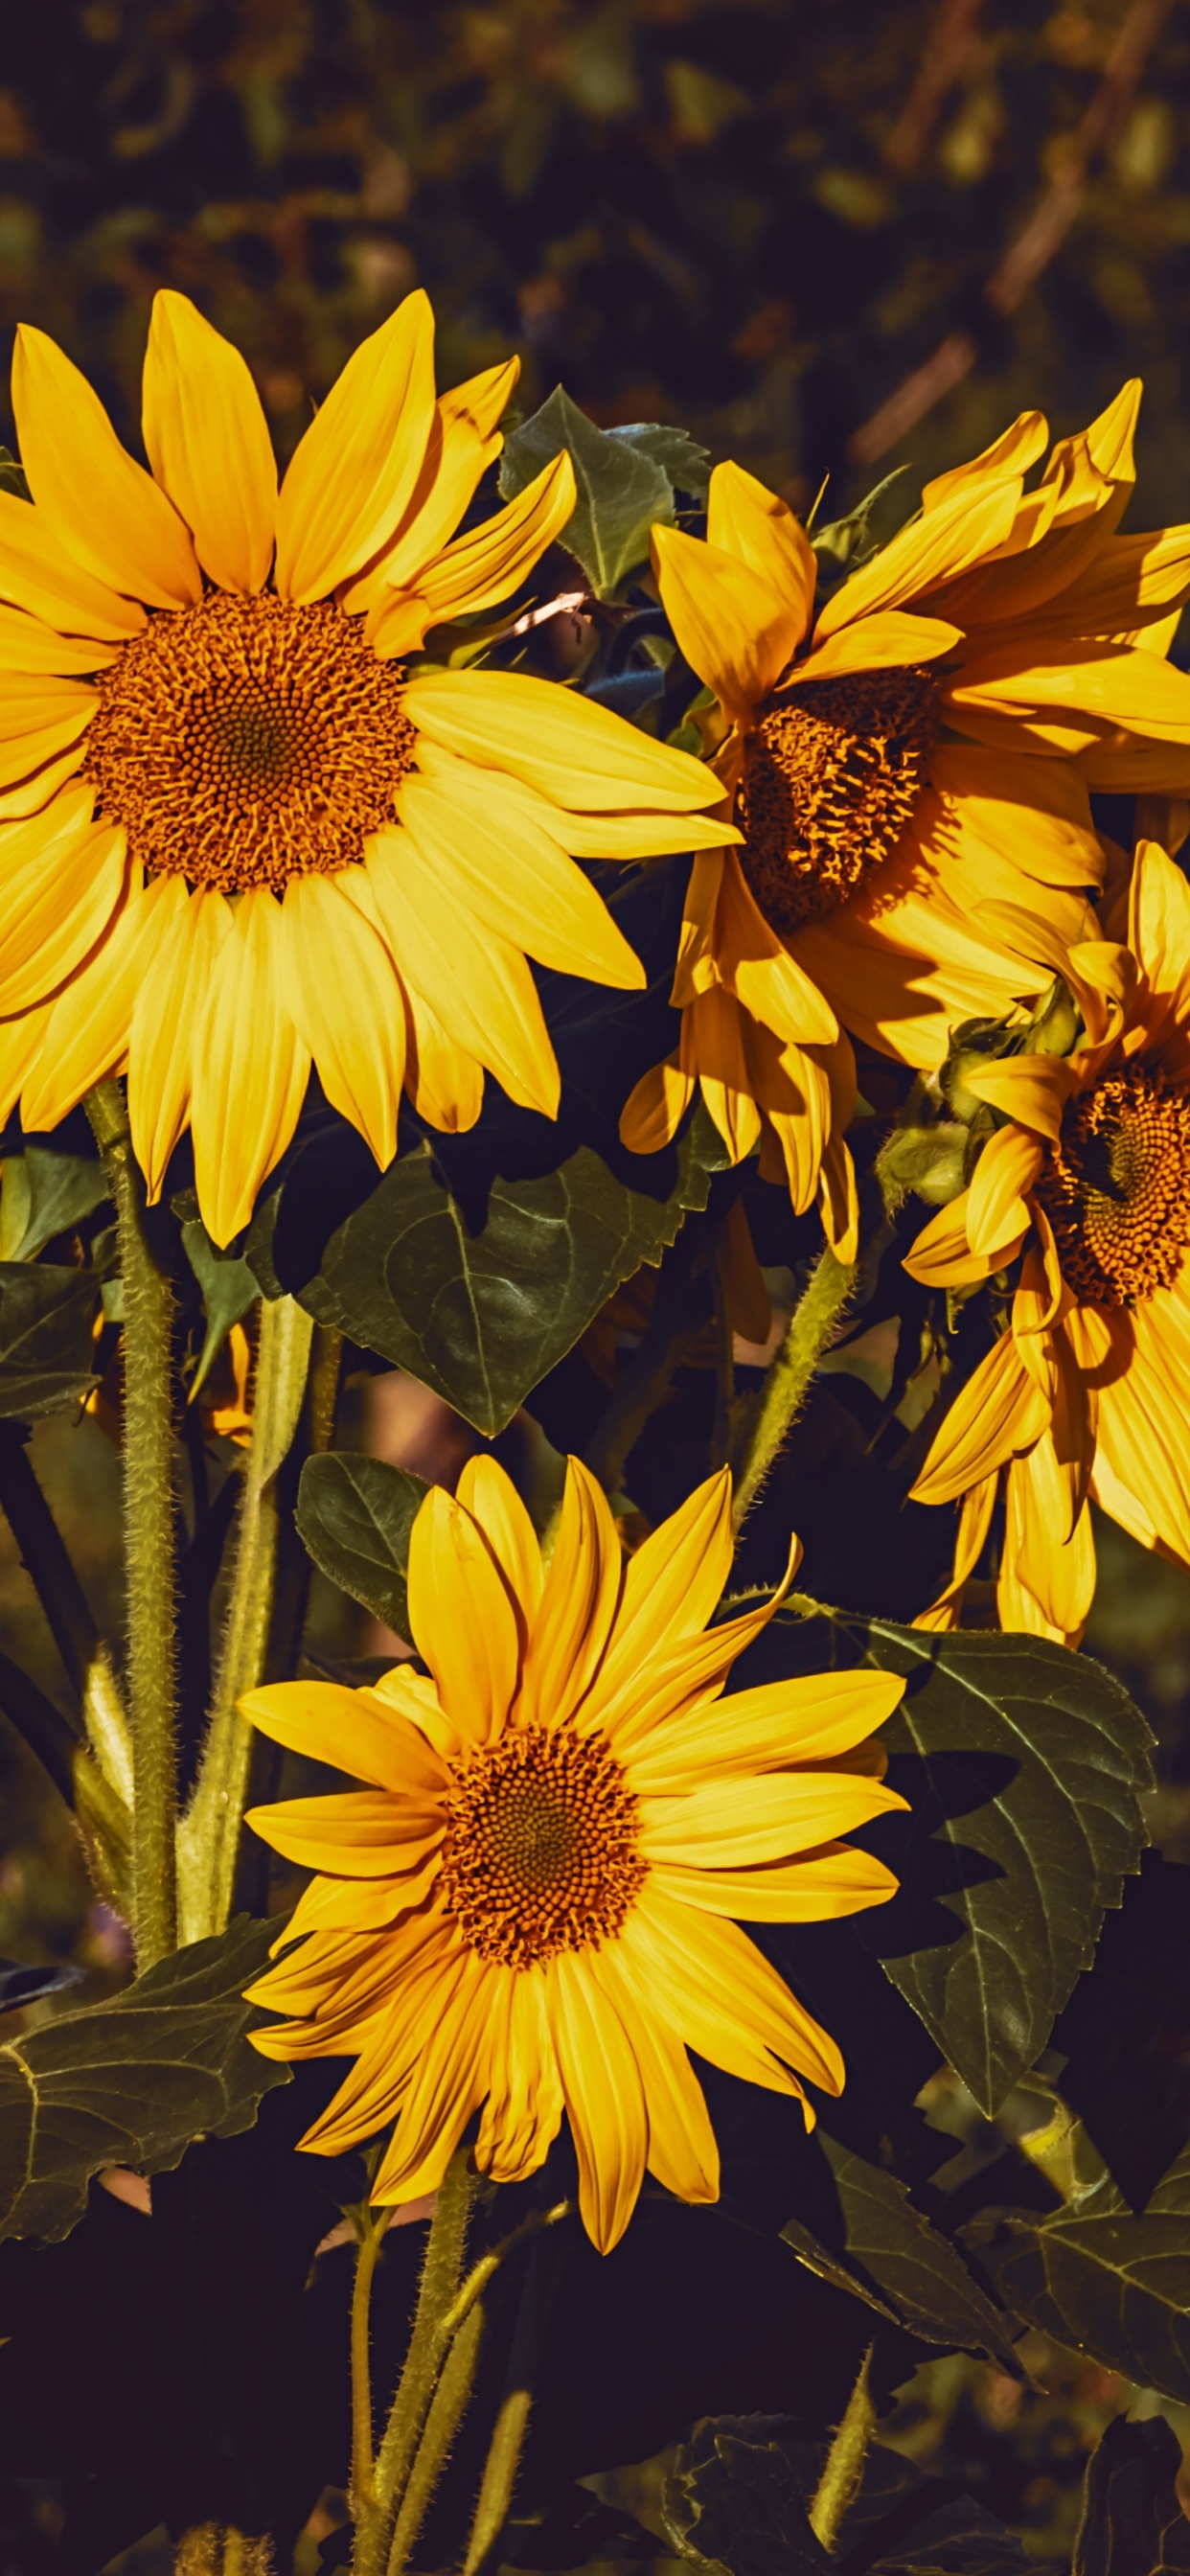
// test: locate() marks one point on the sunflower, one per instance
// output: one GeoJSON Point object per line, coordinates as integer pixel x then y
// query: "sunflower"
{"type": "Point", "coordinates": [236, 839]}
{"type": "Point", "coordinates": [528, 1910]}
{"type": "Point", "coordinates": [1087, 1391]}
{"type": "Point", "coordinates": [898, 764]}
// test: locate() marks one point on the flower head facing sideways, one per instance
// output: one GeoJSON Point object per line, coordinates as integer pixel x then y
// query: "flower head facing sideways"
{"type": "Point", "coordinates": [236, 840]}
{"type": "Point", "coordinates": [917, 747]}
{"type": "Point", "coordinates": [528, 1913]}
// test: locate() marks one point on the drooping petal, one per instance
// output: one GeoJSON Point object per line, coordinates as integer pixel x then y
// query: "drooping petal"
{"type": "Point", "coordinates": [86, 1035]}
{"type": "Point", "coordinates": [346, 1005]}
{"type": "Point", "coordinates": [360, 458]}
{"type": "Point", "coordinates": [998, 1412]}
{"type": "Point", "coordinates": [523, 2112]}
{"type": "Point", "coordinates": [655, 1108]}
{"type": "Point", "coordinates": [683, 2151]}
{"type": "Point", "coordinates": [168, 1010]}
{"type": "Point", "coordinates": [605, 2098]}
{"type": "Point", "coordinates": [461, 1617]}
{"type": "Point", "coordinates": [208, 443]}
{"type": "Point", "coordinates": [443, 1081]}
{"type": "Point", "coordinates": [1009, 1165]}
{"type": "Point", "coordinates": [249, 1071]}
{"type": "Point", "coordinates": [448, 2083]}
{"type": "Point", "coordinates": [722, 1997]}
{"type": "Point", "coordinates": [487, 564]}
{"type": "Point", "coordinates": [477, 985]}
{"type": "Point", "coordinates": [97, 501]}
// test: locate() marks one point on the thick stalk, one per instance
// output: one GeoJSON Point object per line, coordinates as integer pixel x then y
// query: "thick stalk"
{"type": "Point", "coordinates": [840, 2481]}
{"type": "Point", "coordinates": [208, 1840]}
{"type": "Point", "coordinates": [439, 2287]}
{"type": "Point", "coordinates": [371, 2238]}
{"type": "Point", "coordinates": [498, 2485]}
{"type": "Point", "coordinates": [442, 2423]}
{"type": "Point", "coordinates": [149, 1514]}
{"type": "Point", "coordinates": [810, 1329]}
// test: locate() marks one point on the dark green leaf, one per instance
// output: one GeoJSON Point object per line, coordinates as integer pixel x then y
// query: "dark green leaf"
{"type": "Point", "coordinates": [43, 1194]}
{"type": "Point", "coordinates": [132, 2081]}
{"type": "Point", "coordinates": [1102, 2280]}
{"type": "Point", "coordinates": [46, 1349]}
{"type": "Point", "coordinates": [923, 2284]}
{"type": "Point", "coordinates": [12, 476]}
{"type": "Point", "coordinates": [680, 457]}
{"type": "Point", "coordinates": [623, 488]}
{"type": "Point", "coordinates": [482, 1318]}
{"type": "Point", "coordinates": [228, 1289]}
{"type": "Point", "coordinates": [1133, 2523]}
{"type": "Point", "coordinates": [1025, 1767]}
{"type": "Point", "coordinates": [354, 1515]}
{"type": "Point", "coordinates": [739, 2493]}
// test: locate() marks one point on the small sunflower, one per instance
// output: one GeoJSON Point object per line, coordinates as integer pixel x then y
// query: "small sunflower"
{"type": "Point", "coordinates": [1088, 1390]}
{"type": "Point", "coordinates": [235, 839]}
{"type": "Point", "coordinates": [898, 764]}
{"type": "Point", "coordinates": [528, 1911]}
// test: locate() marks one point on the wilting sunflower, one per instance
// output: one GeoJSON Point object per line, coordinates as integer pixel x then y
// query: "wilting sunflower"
{"type": "Point", "coordinates": [235, 838]}
{"type": "Point", "coordinates": [1088, 1391]}
{"type": "Point", "coordinates": [528, 1912]}
{"type": "Point", "coordinates": [897, 764]}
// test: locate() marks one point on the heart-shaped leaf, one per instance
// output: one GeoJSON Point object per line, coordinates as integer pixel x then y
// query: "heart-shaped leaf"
{"type": "Point", "coordinates": [132, 2081]}
{"type": "Point", "coordinates": [887, 2245]}
{"type": "Point", "coordinates": [43, 1194]}
{"type": "Point", "coordinates": [482, 1318]}
{"type": "Point", "coordinates": [354, 1515]}
{"type": "Point", "coordinates": [1133, 2523]}
{"type": "Point", "coordinates": [46, 1347]}
{"type": "Point", "coordinates": [1099, 2278]}
{"type": "Point", "coordinates": [1025, 1767]}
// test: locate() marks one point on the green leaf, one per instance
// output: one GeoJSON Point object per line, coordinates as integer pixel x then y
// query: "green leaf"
{"type": "Point", "coordinates": [1133, 2523]}
{"type": "Point", "coordinates": [228, 1289]}
{"type": "Point", "coordinates": [12, 476]}
{"type": "Point", "coordinates": [739, 2492]}
{"type": "Point", "coordinates": [46, 1349]}
{"type": "Point", "coordinates": [1095, 2276]}
{"type": "Point", "coordinates": [354, 1515]}
{"type": "Point", "coordinates": [844, 544]}
{"type": "Point", "coordinates": [132, 2081]}
{"type": "Point", "coordinates": [482, 1318]}
{"type": "Point", "coordinates": [687, 465]}
{"type": "Point", "coordinates": [623, 488]}
{"type": "Point", "coordinates": [43, 1194]}
{"type": "Point", "coordinates": [1025, 1767]}
{"type": "Point", "coordinates": [923, 2284]}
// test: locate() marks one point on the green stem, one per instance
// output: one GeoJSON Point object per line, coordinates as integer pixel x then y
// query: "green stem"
{"type": "Point", "coordinates": [371, 2238]}
{"type": "Point", "coordinates": [442, 2423]}
{"type": "Point", "coordinates": [149, 1541]}
{"type": "Point", "coordinates": [498, 2485]}
{"type": "Point", "coordinates": [439, 2288]}
{"type": "Point", "coordinates": [840, 2481]}
{"type": "Point", "coordinates": [811, 1327]}
{"type": "Point", "coordinates": [209, 1837]}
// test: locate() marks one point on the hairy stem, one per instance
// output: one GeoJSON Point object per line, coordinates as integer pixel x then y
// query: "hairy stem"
{"type": "Point", "coordinates": [439, 2287]}
{"type": "Point", "coordinates": [371, 2238]}
{"type": "Point", "coordinates": [839, 2484]}
{"type": "Point", "coordinates": [810, 1329]}
{"type": "Point", "coordinates": [442, 2423]}
{"type": "Point", "coordinates": [208, 1841]}
{"type": "Point", "coordinates": [149, 1542]}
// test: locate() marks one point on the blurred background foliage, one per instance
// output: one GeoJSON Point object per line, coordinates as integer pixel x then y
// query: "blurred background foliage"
{"type": "Point", "coordinates": [825, 240]}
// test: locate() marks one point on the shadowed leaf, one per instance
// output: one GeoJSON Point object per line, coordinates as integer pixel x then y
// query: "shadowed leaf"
{"type": "Point", "coordinates": [1102, 2280]}
{"type": "Point", "coordinates": [1133, 2523]}
{"type": "Point", "coordinates": [228, 1289]}
{"type": "Point", "coordinates": [887, 2244]}
{"type": "Point", "coordinates": [739, 2492]}
{"type": "Point", "coordinates": [43, 1194]}
{"type": "Point", "coordinates": [354, 1515]}
{"type": "Point", "coordinates": [46, 1348]}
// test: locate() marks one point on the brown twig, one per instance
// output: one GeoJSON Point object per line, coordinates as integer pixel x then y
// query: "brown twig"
{"type": "Point", "coordinates": [1034, 247]}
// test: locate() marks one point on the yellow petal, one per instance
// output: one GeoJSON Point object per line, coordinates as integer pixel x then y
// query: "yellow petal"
{"type": "Point", "coordinates": [99, 503]}
{"type": "Point", "coordinates": [736, 627]}
{"type": "Point", "coordinates": [1011, 454]}
{"type": "Point", "coordinates": [346, 1005]}
{"type": "Point", "coordinates": [714, 1046]}
{"type": "Point", "coordinates": [1126, 688]}
{"type": "Point", "coordinates": [942, 1256]}
{"type": "Point", "coordinates": [39, 718]}
{"type": "Point", "coordinates": [975, 1520]}
{"type": "Point", "coordinates": [683, 2153]}
{"type": "Point", "coordinates": [816, 1888]}
{"type": "Point", "coordinates": [477, 985]}
{"type": "Point", "coordinates": [464, 438]}
{"type": "Point", "coordinates": [363, 1833]}
{"type": "Point", "coordinates": [962, 530]}
{"type": "Point", "coordinates": [1032, 1089]}
{"type": "Point", "coordinates": [444, 1083]}
{"type": "Point", "coordinates": [28, 646]}
{"type": "Point", "coordinates": [732, 1822]}
{"type": "Point", "coordinates": [577, 753]}
{"type": "Point", "coordinates": [777, 1724]}
{"type": "Point", "coordinates": [359, 461]}
{"type": "Point", "coordinates": [352, 1730]}
{"type": "Point", "coordinates": [605, 2098]}
{"type": "Point", "coordinates": [481, 568]}
{"type": "Point", "coordinates": [578, 1603]}
{"type": "Point", "coordinates": [20, 1039]}
{"type": "Point", "coordinates": [56, 907]}
{"type": "Point", "coordinates": [998, 1412]}
{"type": "Point", "coordinates": [748, 521]}
{"type": "Point", "coordinates": [760, 970]}
{"type": "Point", "coordinates": [208, 443]}
{"type": "Point", "coordinates": [448, 2083]}
{"type": "Point", "coordinates": [168, 1009]}
{"type": "Point", "coordinates": [523, 2112]}
{"type": "Point", "coordinates": [655, 1108]}
{"type": "Point", "coordinates": [40, 574]}
{"type": "Point", "coordinates": [33, 793]}
{"type": "Point", "coordinates": [723, 1998]}
{"type": "Point", "coordinates": [881, 642]}
{"type": "Point", "coordinates": [673, 1582]}
{"type": "Point", "coordinates": [627, 835]}
{"type": "Point", "coordinates": [461, 1617]}
{"type": "Point", "coordinates": [249, 1072]}
{"type": "Point", "coordinates": [492, 1499]}
{"type": "Point", "coordinates": [1007, 1169]}
{"type": "Point", "coordinates": [506, 873]}
{"type": "Point", "coordinates": [86, 1035]}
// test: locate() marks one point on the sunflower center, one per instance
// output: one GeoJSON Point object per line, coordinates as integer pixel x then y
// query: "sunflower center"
{"type": "Point", "coordinates": [541, 1848]}
{"type": "Point", "coordinates": [831, 776]}
{"type": "Point", "coordinates": [246, 741]}
{"type": "Point", "coordinates": [1116, 1188]}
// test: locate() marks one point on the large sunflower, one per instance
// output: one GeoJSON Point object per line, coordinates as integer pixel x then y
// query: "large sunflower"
{"type": "Point", "coordinates": [528, 1911]}
{"type": "Point", "coordinates": [234, 838]}
{"type": "Point", "coordinates": [1088, 1390]}
{"type": "Point", "coordinates": [898, 764]}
